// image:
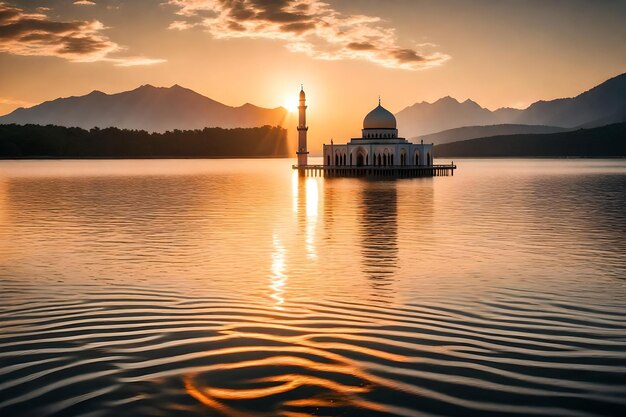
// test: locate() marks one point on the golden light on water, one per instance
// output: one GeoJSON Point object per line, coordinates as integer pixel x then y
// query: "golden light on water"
{"type": "Point", "coordinates": [312, 208]}
{"type": "Point", "coordinates": [278, 277]}
{"type": "Point", "coordinates": [330, 296]}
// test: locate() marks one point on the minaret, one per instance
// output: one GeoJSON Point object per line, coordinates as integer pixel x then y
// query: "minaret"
{"type": "Point", "coordinates": [302, 129]}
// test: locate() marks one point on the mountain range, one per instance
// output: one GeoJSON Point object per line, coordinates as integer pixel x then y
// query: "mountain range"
{"type": "Point", "coordinates": [601, 105]}
{"type": "Point", "coordinates": [154, 109]}
{"type": "Point", "coordinates": [473, 132]}
{"type": "Point", "coordinates": [159, 109]}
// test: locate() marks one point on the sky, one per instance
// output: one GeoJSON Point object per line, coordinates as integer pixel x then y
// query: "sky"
{"type": "Point", "coordinates": [345, 52]}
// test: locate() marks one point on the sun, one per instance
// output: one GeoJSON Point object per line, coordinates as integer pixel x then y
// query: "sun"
{"type": "Point", "coordinates": [291, 104]}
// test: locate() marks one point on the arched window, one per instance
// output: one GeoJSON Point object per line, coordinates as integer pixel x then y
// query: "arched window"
{"type": "Point", "coordinates": [367, 159]}
{"type": "Point", "coordinates": [379, 160]}
{"type": "Point", "coordinates": [428, 159]}
{"type": "Point", "coordinates": [391, 160]}
{"type": "Point", "coordinates": [336, 159]}
{"type": "Point", "coordinates": [327, 159]}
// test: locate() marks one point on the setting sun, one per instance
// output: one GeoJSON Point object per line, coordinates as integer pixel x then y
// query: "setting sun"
{"type": "Point", "coordinates": [291, 103]}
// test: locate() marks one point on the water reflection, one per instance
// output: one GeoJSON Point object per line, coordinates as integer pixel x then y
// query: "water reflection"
{"type": "Point", "coordinates": [306, 202]}
{"type": "Point", "coordinates": [379, 234]}
{"type": "Point", "coordinates": [493, 293]}
{"type": "Point", "coordinates": [278, 278]}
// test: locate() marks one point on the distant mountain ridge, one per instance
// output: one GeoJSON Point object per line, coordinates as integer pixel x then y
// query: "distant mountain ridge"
{"type": "Point", "coordinates": [473, 132]}
{"type": "Point", "coordinates": [154, 109]}
{"type": "Point", "coordinates": [601, 105]}
{"type": "Point", "coordinates": [598, 142]}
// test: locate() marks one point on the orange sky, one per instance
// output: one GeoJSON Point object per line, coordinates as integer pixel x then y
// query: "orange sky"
{"type": "Point", "coordinates": [498, 53]}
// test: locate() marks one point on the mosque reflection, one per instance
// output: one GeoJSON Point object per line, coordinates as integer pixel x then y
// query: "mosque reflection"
{"type": "Point", "coordinates": [378, 225]}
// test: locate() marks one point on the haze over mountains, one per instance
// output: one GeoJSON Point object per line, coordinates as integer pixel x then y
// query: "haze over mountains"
{"type": "Point", "coordinates": [602, 105]}
{"type": "Point", "coordinates": [154, 109]}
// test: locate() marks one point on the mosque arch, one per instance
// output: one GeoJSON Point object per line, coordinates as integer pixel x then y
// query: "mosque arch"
{"type": "Point", "coordinates": [361, 156]}
{"type": "Point", "coordinates": [429, 160]}
{"type": "Point", "coordinates": [327, 159]}
{"type": "Point", "coordinates": [417, 157]}
{"type": "Point", "coordinates": [403, 157]}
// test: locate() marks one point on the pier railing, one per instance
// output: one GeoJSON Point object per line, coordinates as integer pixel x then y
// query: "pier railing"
{"type": "Point", "coordinates": [398, 171]}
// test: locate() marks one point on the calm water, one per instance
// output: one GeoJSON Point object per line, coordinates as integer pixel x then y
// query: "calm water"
{"type": "Point", "coordinates": [230, 288]}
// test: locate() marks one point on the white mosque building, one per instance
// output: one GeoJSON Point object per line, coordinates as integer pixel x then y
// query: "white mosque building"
{"type": "Point", "coordinates": [378, 152]}
{"type": "Point", "coordinates": [379, 145]}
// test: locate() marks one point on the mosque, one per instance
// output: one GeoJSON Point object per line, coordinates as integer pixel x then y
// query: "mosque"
{"type": "Point", "coordinates": [378, 152]}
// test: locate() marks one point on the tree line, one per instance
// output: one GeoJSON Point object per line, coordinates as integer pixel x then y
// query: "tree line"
{"type": "Point", "coordinates": [36, 141]}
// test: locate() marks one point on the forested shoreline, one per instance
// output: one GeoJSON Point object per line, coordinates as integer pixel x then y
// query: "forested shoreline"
{"type": "Point", "coordinates": [58, 142]}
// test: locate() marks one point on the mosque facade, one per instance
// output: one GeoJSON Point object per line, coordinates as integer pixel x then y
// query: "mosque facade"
{"type": "Point", "coordinates": [379, 145]}
{"type": "Point", "coordinates": [378, 152]}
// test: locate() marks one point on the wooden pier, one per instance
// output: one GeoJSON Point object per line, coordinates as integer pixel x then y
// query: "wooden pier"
{"type": "Point", "coordinates": [376, 171]}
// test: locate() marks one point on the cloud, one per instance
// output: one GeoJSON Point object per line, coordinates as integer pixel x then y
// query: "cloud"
{"type": "Point", "coordinates": [25, 33]}
{"type": "Point", "coordinates": [85, 3]}
{"type": "Point", "coordinates": [311, 27]}
{"type": "Point", "coordinates": [15, 102]}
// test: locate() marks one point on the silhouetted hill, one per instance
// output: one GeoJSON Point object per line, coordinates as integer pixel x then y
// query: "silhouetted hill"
{"type": "Point", "coordinates": [601, 105]}
{"type": "Point", "coordinates": [605, 141]}
{"type": "Point", "coordinates": [445, 113]}
{"type": "Point", "coordinates": [35, 141]}
{"type": "Point", "coordinates": [154, 109]}
{"type": "Point", "coordinates": [472, 132]}
{"type": "Point", "coordinates": [607, 100]}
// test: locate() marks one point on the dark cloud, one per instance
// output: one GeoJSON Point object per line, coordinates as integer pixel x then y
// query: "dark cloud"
{"type": "Point", "coordinates": [307, 26]}
{"type": "Point", "coordinates": [17, 27]}
{"type": "Point", "coordinates": [407, 55]}
{"type": "Point", "coordinates": [298, 27]}
{"type": "Point", "coordinates": [7, 13]}
{"type": "Point", "coordinates": [361, 46]}
{"type": "Point", "coordinates": [25, 33]}
{"type": "Point", "coordinates": [82, 46]}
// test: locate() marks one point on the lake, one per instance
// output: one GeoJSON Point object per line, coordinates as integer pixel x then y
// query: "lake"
{"type": "Point", "coordinates": [236, 288]}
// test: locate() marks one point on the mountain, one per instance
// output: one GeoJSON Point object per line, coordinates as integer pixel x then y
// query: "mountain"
{"type": "Point", "coordinates": [445, 113]}
{"type": "Point", "coordinates": [601, 105]}
{"type": "Point", "coordinates": [605, 141]}
{"type": "Point", "coordinates": [154, 109]}
{"type": "Point", "coordinates": [472, 132]}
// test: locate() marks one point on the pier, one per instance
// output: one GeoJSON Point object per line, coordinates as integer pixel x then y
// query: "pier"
{"type": "Point", "coordinates": [376, 171]}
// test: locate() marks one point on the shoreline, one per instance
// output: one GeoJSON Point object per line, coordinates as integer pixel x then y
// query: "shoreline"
{"type": "Point", "coordinates": [115, 158]}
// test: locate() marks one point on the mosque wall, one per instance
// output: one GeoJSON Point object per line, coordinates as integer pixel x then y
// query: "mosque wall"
{"type": "Point", "coordinates": [378, 154]}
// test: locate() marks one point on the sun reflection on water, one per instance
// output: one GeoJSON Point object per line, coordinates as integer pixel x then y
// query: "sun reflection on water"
{"type": "Point", "coordinates": [278, 277]}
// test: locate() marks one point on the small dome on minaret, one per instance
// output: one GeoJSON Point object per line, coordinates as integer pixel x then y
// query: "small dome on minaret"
{"type": "Point", "coordinates": [302, 95]}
